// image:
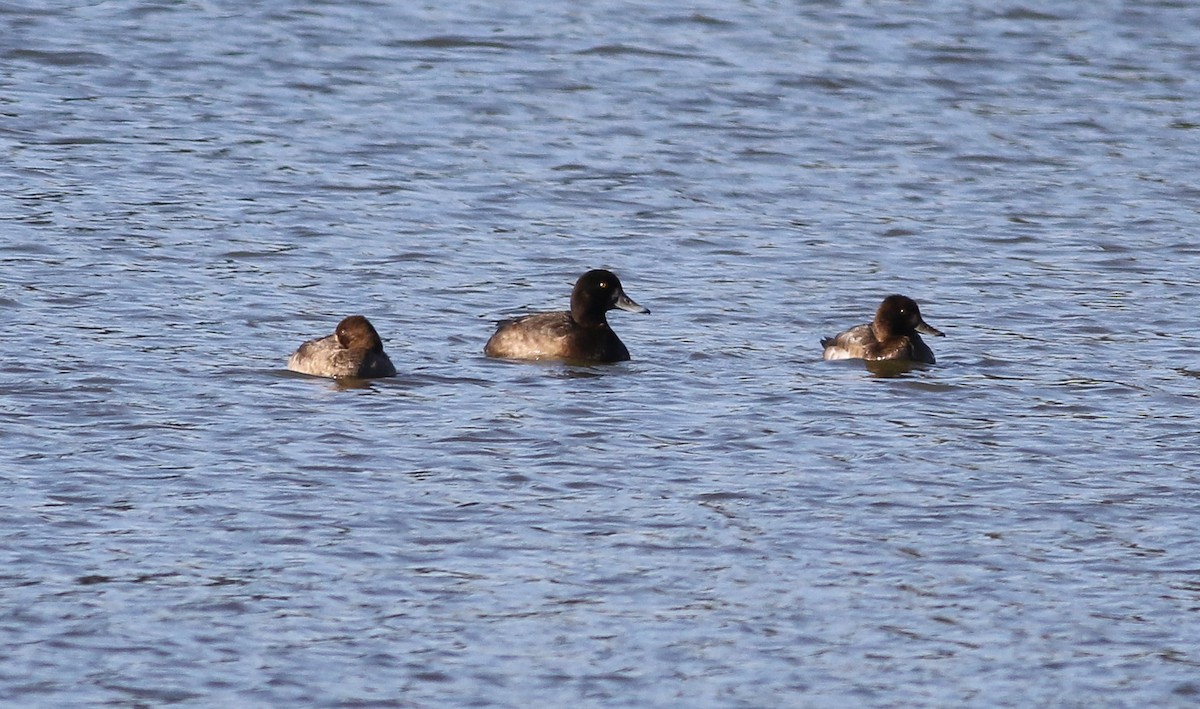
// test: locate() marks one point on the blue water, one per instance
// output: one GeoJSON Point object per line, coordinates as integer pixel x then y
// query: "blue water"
{"type": "Point", "coordinates": [193, 189]}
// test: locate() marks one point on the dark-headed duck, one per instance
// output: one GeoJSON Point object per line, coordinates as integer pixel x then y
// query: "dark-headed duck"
{"type": "Point", "coordinates": [581, 334]}
{"type": "Point", "coordinates": [892, 335]}
{"type": "Point", "coordinates": [353, 350]}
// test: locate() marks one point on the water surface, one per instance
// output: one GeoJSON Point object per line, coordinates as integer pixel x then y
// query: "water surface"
{"type": "Point", "coordinates": [195, 188]}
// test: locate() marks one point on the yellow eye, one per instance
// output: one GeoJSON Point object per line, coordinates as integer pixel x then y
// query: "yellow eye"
{"type": "Point", "coordinates": [604, 284]}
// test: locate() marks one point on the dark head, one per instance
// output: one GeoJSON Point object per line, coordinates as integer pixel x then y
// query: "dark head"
{"type": "Point", "coordinates": [597, 292]}
{"type": "Point", "coordinates": [899, 315]}
{"type": "Point", "coordinates": [357, 333]}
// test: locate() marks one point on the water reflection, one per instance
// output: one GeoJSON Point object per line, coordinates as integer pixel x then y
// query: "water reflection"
{"type": "Point", "coordinates": [886, 369]}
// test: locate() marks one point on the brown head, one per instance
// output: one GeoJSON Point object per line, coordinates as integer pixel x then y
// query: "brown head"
{"type": "Point", "coordinates": [899, 315]}
{"type": "Point", "coordinates": [357, 333]}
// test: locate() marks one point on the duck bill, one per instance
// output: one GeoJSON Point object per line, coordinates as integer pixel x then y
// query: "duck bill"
{"type": "Point", "coordinates": [928, 329]}
{"type": "Point", "coordinates": [624, 302]}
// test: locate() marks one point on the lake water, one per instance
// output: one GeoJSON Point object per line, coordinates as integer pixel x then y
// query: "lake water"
{"type": "Point", "coordinates": [194, 188]}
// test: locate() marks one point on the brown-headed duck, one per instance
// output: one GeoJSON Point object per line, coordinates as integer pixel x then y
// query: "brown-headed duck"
{"type": "Point", "coordinates": [892, 335]}
{"type": "Point", "coordinates": [353, 350]}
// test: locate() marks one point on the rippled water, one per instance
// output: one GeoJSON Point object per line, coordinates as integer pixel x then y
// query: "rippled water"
{"type": "Point", "coordinates": [192, 189]}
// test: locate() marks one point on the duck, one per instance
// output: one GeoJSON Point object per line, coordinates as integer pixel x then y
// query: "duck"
{"type": "Point", "coordinates": [892, 335]}
{"type": "Point", "coordinates": [353, 350]}
{"type": "Point", "coordinates": [581, 334]}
